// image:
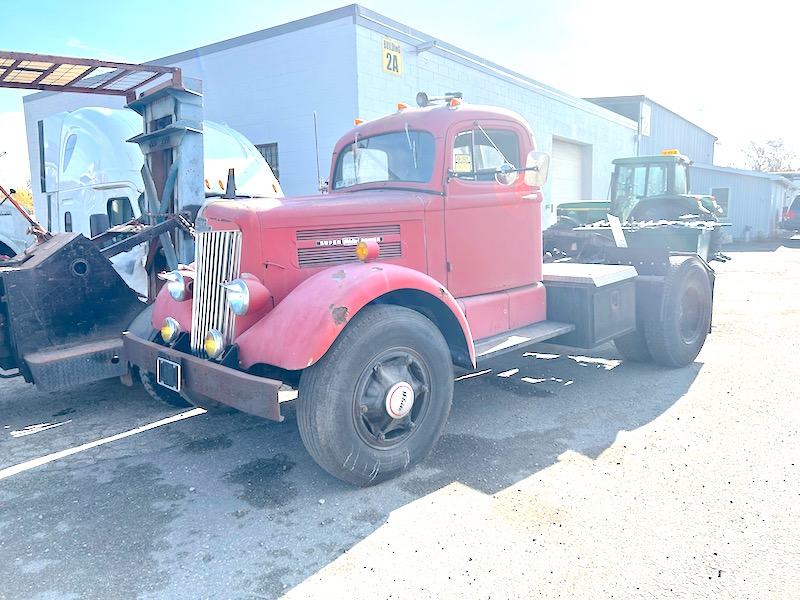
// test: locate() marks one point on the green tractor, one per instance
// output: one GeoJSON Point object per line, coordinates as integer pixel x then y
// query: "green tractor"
{"type": "Point", "coordinates": [650, 196]}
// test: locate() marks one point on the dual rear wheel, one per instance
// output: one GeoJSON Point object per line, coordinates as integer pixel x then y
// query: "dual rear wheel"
{"type": "Point", "coordinates": [676, 339]}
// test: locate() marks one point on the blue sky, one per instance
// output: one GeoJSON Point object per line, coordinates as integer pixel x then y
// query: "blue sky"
{"type": "Point", "coordinates": [725, 66]}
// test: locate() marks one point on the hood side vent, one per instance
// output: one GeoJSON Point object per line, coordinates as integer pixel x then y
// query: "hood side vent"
{"type": "Point", "coordinates": [327, 247]}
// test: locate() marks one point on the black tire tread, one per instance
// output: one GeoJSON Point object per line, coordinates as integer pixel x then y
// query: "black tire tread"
{"type": "Point", "coordinates": [161, 393]}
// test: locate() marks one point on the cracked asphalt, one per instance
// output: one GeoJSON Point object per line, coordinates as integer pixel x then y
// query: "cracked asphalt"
{"type": "Point", "coordinates": [560, 474]}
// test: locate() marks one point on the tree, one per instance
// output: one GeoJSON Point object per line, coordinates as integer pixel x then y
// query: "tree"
{"type": "Point", "coordinates": [24, 197]}
{"type": "Point", "coordinates": [769, 157]}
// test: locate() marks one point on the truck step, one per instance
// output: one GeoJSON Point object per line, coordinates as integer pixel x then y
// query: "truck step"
{"type": "Point", "coordinates": [524, 336]}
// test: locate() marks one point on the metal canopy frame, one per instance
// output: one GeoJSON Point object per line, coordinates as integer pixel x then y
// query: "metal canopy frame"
{"type": "Point", "coordinates": [79, 75]}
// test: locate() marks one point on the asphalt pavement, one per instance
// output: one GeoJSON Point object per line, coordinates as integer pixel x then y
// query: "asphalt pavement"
{"type": "Point", "coordinates": [560, 474]}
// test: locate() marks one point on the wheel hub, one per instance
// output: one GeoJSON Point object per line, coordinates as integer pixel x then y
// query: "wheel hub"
{"type": "Point", "coordinates": [399, 400]}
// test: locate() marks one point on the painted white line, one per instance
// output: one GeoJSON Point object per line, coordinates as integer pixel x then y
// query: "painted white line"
{"type": "Point", "coordinates": [31, 429]}
{"type": "Point", "coordinates": [471, 375]}
{"type": "Point", "coordinates": [37, 462]}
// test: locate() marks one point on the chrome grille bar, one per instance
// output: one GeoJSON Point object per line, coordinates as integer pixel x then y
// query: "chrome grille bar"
{"type": "Point", "coordinates": [217, 260]}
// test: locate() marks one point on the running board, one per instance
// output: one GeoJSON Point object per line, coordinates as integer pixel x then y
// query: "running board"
{"type": "Point", "coordinates": [524, 336]}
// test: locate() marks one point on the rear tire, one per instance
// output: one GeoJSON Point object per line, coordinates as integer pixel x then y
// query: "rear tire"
{"type": "Point", "coordinates": [676, 340]}
{"type": "Point", "coordinates": [377, 401]}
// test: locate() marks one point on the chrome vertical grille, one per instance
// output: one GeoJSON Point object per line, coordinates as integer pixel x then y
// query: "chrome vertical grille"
{"type": "Point", "coordinates": [217, 260]}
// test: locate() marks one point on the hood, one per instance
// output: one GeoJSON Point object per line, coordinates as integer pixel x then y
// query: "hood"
{"type": "Point", "coordinates": [319, 210]}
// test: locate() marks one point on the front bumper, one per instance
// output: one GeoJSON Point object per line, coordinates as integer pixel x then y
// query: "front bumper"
{"type": "Point", "coordinates": [243, 391]}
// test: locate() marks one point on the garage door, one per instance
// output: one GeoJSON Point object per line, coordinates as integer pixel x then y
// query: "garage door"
{"type": "Point", "coordinates": [566, 172]}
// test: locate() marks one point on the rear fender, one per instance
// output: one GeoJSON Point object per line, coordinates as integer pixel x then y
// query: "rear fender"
{"type": "Point", "coordinates": [301, 328]}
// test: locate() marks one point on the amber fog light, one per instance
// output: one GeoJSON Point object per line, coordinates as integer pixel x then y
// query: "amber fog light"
{"type": "Point", "coordinates": [170, 330]}
{"type": "Point", "coordinates": [214, 345]}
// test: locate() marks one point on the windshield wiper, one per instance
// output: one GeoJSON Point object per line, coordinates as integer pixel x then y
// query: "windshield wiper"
{"type": "Point", "coordinates": [411, 147]}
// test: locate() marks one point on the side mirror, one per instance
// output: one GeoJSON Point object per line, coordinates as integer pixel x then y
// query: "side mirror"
{"type": "Point", "coordinates": [505, 174]}
{"type": "Point", "coordinates": [536, 167]}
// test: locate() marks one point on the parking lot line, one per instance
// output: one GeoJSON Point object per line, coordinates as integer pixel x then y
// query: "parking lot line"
{"type": "Point", "coordinates": [37, 462]}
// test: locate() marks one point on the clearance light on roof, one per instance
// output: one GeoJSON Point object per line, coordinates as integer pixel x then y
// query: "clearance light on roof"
{"type": "Point", "coordinates": [401, 106]}
{"type": "Point", "coordinates": [208, 185]}
{"type": "Point", "coordinates": [358, 121]}
{"type": "Point", "coordinates": [454, 102]}
{"type": "Point", "coordinates": [669, 152]}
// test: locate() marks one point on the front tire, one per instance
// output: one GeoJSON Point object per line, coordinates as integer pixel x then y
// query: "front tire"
{"type": "Point", "coordinates": [376, 403]}
{"type": "Point", "coordinates": [159, 392]}
{"type": "Point", "coordinates": [676, 340]}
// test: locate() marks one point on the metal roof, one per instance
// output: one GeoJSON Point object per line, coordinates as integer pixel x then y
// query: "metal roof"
{"type": "Point", "coordinates": [81, 75]}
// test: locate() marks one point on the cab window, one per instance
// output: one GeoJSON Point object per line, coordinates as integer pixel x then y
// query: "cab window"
{"type": "Point", "coordinates": [477, 153]}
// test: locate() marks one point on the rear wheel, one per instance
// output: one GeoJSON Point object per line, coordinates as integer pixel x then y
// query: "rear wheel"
{"type": "Point", "coordinates": [378, 400]}
{"type": "Point", "coordinates": [676, 340]}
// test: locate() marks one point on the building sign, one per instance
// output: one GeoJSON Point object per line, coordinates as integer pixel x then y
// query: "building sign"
{"type": "Point", "coordinates": [392, 56]}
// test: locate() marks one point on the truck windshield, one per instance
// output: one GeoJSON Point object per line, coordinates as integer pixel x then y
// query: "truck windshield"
{"type": "Point", "coordinates": [404, 156]}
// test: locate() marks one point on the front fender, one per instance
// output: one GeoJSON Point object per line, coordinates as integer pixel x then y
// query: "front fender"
{"type": "Point", "coordinates": [301, 328]}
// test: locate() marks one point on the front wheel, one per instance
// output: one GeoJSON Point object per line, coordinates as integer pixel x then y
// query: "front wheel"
{"type": "Point", "coordinates": [159, 392]}
{"type": "Point", "coordinates": [377, 401]}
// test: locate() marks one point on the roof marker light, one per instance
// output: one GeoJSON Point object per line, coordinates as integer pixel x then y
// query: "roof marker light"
{"type": "Point", "coordinates": [401, 106]}
{"type": "Point", "coordinates": [455, 102]}
{"type": "Point", "coordinates": [358, 121]}
{"type": "Point", "coordinates": [672, 152]}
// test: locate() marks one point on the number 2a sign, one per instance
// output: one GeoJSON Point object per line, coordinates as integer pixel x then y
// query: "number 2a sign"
{"type": "Point", "coordinates": [392, 56]}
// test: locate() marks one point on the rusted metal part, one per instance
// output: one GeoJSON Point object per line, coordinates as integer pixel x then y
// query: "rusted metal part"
{"type": "Point", "coordinates": [59, 294]}
{"type": "Point", "coordinates": [30, 71]}
{"type": "Point", "coordinates": [339, 314]}
{"type": "Point", "coordinates": [53, 369]}
{"type": "Point", "coordinates": [140, 233]}
{"type": "Point", "coordinates": [39, 232]}
{"type": "Point", "coordinates": [243, 391]}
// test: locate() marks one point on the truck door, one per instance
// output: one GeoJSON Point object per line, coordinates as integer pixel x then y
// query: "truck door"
{"type": "Point", "coordinates": [491, 230]}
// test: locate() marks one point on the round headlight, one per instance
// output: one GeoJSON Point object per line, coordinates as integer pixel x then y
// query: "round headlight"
{"type": "Point", "coordinates": [170, 330]}
{"type": "Point", "coordinates": [176, 285]}
{"type": "Point", "coordinates": [214, 345]}
{"type": "Point", "coordinates": [237, 295]}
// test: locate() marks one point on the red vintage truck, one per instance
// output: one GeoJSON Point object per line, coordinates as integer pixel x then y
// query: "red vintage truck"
{"type": "Point", "coordinates": [426, 253]}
